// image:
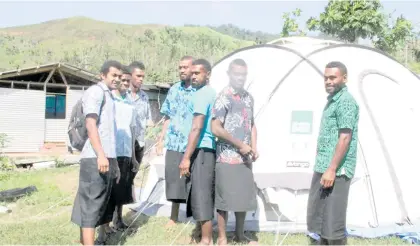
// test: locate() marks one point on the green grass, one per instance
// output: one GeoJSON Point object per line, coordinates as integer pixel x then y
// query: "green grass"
{"type": "Point", "coordinates": [41, 219]}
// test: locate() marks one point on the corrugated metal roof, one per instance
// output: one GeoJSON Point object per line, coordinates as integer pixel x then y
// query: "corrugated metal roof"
{"type": "Point", "coordinates": [73, 70]}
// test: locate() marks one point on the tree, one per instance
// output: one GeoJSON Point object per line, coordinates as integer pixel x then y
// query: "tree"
{"type": "Point", "coordinates": [393, 38]}
{"type": "Point", "coordinates": [290, 25]}
{"type": "Point", "coordinates": [354, 19]}
{"type": "Point", "coordinates": [350, 20]}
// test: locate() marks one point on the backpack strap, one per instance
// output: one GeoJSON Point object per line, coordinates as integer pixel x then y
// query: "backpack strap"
{"type": "Point", "coordinates": [103, 102]}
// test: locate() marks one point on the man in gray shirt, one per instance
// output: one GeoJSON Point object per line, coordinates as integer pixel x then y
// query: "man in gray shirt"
{"type": "Point", "coordinates": [139, 99]}
{"type": "Point", "coordinates": [98, 165]}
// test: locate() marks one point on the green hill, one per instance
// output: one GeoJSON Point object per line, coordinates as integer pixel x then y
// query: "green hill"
{"type": "Point", "coordinates": [244, 34]}
{"type": "Point", "coordinates": [86, 43]}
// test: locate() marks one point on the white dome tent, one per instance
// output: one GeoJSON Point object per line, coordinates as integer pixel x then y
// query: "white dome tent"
{"type": "Point", "coordinates": [286, 80]}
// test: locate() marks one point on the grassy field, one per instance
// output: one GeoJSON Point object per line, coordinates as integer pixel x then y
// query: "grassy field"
{"type": "Point", "coordinates": [44, 216]}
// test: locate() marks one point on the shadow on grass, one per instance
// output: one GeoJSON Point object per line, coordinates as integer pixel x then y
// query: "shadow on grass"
{"type": "Point", "coordinates": [135, 221]}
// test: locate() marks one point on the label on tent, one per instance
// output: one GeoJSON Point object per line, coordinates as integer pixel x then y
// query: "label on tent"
{"type": "Point", "coordinates": [300, 154]}
{"type": "Point", "coordinates": [301, 122]}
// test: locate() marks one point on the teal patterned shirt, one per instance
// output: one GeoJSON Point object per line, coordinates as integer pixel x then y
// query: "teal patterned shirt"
{"type": "Point", "coordinates": [176, 106]}
{"type": "Point", "coordinates": [341, 112]}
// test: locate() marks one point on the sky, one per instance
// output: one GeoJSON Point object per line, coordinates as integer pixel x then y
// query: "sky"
{"type": "Point", "coordinates": [263, 16]}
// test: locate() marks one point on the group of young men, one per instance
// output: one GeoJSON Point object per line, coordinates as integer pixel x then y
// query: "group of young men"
{"type": "Point", "coordinates": [117, 113]}
{"type": "Point", "coordinates": [204, 173]}
{"type": "Point", "coordinates": [211, 144]}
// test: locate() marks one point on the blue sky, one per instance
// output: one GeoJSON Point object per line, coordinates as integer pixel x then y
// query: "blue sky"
{"type": "Point", "coordinates": [263, 15]}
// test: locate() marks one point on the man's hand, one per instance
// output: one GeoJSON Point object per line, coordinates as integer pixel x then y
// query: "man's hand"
{"type": "Point", "coordinates": [118, 172]}
{"type": "Point", "coordinates": [328, 178]}
{"type": "Point", "coordinates": [255, 155]}
{"type": "Point", "coordinates": [136, 166]}
{"type": "Point", "coordinates": [245, 149]}
{"type": "Point", "coordinates": [159, 148]}
{"type": "Point", "coordinates": [103, 163]}
{"type": "Point", "coordinates": [184, 167]}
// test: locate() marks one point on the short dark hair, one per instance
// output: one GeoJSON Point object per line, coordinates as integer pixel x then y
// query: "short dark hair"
{"type": "Point", "coordinates": [339, 65]}
{"type": "Point", "coordinates": [239, 62]}
{"type": "Point", "coordinates": [206, 64]}
{"type": "Point", "coordinates": [187, 58]}
{"type": "Point", "coordinates": [135, 65]}
{"type": "Point", "coordinates": [125, 70]}
{"type": "Point", "coordinates": [108, 64]}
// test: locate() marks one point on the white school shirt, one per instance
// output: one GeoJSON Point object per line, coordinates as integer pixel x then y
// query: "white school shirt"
{"type": "Point", "coordinates": [125, 117]}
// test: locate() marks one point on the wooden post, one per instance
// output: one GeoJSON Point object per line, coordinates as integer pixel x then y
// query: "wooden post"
{"type": "Point", "coordinates": [62, 76]}
{"type": "Point", "coordinates": [48, 78]}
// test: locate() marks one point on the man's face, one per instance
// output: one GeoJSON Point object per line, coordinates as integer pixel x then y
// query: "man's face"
{"type": "Point", "coordinates": [333, 80]}
{"type": "Point", "coordinates": [125, 83]}
{"type": "Point", "coordinates": [137, 78]}
{"type": "Point", "coordinates": [237, 76]}
{"type": "Point", "coordinates": [112, 78]}
{"type": "Point", "coordinates": [185, 70]}
{"type": "Point", "coordinates": [199, 76]}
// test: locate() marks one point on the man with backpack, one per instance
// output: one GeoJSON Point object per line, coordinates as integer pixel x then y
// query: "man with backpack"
{"type": "Point", "coordinates": [98, 163]}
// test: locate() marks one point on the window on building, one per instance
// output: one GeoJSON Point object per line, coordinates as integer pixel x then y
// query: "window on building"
{"type": "Point", "coordinates": [55, 106]}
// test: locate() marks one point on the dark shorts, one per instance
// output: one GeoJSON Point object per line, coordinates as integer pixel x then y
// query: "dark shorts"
{"type": "Point", "coordinates": [93, 205]}
{"type": "Point", "coordinates": [235, 189]}
{"type": "Point", "coordinates": [200, 185]}
{"type": "Point", "coordinates": [327, 208]}
{"type": "Point", "coordinates": [122, 192]}
{"type": "Point", "coordinates": [175, 186]}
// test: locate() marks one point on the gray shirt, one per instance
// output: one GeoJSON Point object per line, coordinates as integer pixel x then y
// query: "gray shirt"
{"type": "Point", "coordinates": [142, 106]}
{"type": "Point", "coordinates": [92, 100]}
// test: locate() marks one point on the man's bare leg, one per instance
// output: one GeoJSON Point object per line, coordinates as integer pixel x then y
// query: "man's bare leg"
{"type": "Point", "coordinates": [240, 228]}
{"type": "Point", "coordinates": [206, 232]}
{"type": "Point", "coordinates": [88, 236]}
{"type": "Point", "coordinates": [174, 215]}
{"type": "Point", "coordinates": [222, 218]}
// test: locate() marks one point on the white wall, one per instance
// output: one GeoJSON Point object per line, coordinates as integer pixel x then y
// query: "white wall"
{"type": "Point", "coordinates": [22, 115]}
{"type": "Point", "coordinates": [55, 130]}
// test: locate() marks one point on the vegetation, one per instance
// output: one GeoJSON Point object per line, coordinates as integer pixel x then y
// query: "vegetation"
{"type": "Point", "coordinates": [290, 24]}
{"type": "Point", "coordinates": [354, 19]}
{"type": "Point", "coordinates": [5, 163]}
{"type": "Point", "coordinates": [44, 216]}
{"type": "Point", "coordinates": [242, 34]}
{"type": "Point", "coordinates": [86, 43]}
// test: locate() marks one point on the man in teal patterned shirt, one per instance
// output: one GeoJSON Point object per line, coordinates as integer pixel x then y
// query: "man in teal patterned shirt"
{"type": "Point", "coordinates": [335, 160]}
{"type": "Point", "coordinates": [175, 130]}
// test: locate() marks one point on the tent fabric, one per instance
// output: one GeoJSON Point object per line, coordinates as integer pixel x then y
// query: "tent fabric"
{"type": "Point", "coordinates": [286, 82]}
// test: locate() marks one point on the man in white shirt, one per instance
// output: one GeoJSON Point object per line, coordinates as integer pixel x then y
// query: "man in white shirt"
{"type": "Point", "coordinates": [98, 163]}
{"type": "Point", "coordinates": [125, 118]}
